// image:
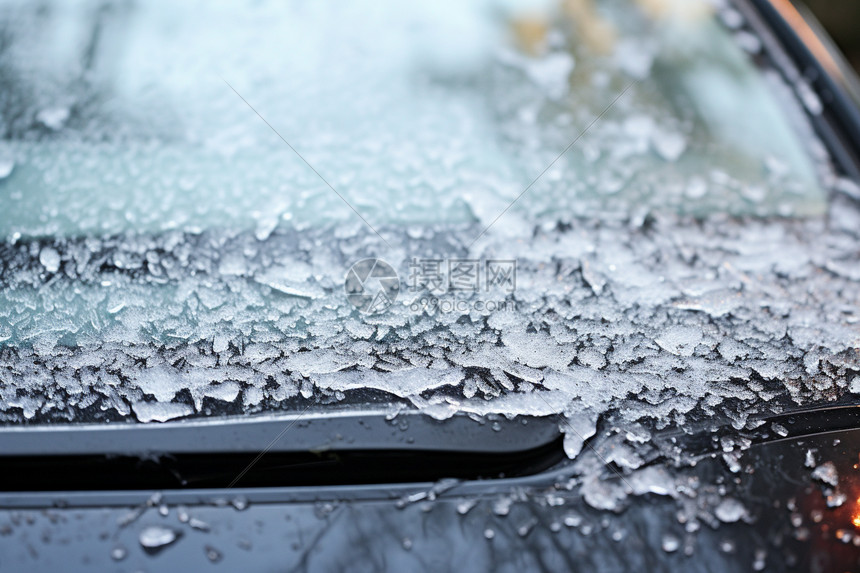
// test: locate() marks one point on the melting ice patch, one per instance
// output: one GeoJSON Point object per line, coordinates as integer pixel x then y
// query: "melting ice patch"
{"type": "Point", "coordinates": [686, 315]}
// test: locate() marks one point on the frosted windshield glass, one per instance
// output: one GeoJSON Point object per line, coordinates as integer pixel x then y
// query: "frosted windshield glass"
{"type": "Point", "coordinates": [119, 119]}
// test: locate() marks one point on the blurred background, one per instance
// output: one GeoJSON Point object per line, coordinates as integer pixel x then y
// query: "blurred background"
{"type": "Point", "coordinates": [841, 18]}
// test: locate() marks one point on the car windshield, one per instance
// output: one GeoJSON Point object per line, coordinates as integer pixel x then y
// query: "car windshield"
{"type": "Point", "coordinates": [490, 208]}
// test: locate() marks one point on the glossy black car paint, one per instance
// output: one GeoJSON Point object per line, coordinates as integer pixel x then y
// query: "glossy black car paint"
{"type": "Point", "coordinates": [373, 528]}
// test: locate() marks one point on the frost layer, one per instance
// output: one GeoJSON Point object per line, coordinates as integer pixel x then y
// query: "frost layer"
{"type": "Point", "coordinates": [689, 314]}
{"type": "Point", "coordinates": [166, 255]}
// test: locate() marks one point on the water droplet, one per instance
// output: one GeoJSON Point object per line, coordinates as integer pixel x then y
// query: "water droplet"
{"type": "Point", "coordinates": [836, 499]}
{"type": "Point", "coordinates": [526, 528]}
{"type": "Point", "coordinates": [826, 473]}
{"type": "Point", "coordinates": [155, 538]}
{"type": "Point", "coordinates": [670, 543]}
{"type": "Point", "coordinates": [730, 510]}
{"type": "Point", "coordinates": [50, 259]}
{"type": "Point", "coordinates": [466, 505]}
{"type": "Point", "coordinates": [213, 554]}
{"type": "Point", "coordinates": [118, 553]}
{"type": "Point", "coordinates": [198, 524]}
{"type": "Point", "coordinates": [53, 118]}
{"type": "Point", "coordinates": [117, 308]}
{"type": "Point", "coordinates": [7, 164]}
{"type": "Point", "coordinates": [502, 506]}
{"type": "Point", "coordinates": [669, 146]}
{"type": "Point", "coordinates": [779, 430]}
